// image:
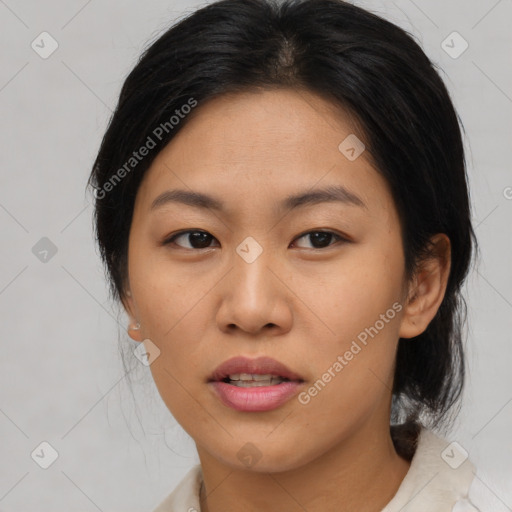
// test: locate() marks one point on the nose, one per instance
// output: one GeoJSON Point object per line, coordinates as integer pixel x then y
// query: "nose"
{"type": "Point", "coordinates": [254, 298]}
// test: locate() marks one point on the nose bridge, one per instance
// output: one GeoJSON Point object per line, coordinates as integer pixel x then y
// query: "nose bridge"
{"type": "Point", "coordinates": [251, 273]}
{"type": "Point", "coordinates": [252, 297]}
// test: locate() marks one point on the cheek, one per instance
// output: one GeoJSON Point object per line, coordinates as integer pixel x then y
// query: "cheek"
{"type": "Point", "coordinates": [173, 316]}
{"type": "Point", "coordinates": [357, 290]}
{"type": "Point", "coordinates": [166, 295]}
{"type": "Point", "coordinates": [360, 305]}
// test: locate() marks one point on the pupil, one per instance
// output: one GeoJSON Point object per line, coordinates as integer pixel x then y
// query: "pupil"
{"type": "Point", "coordinates": [321, 237]}
{"type": "Point", "coordinates": [199, 240]}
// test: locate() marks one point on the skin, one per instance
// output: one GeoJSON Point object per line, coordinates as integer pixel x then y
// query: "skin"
{"type": "Point", "coordinates": [296, 303]}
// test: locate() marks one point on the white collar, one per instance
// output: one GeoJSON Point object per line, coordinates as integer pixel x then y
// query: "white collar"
{"type": "Point", "coordinates": [440, 475]}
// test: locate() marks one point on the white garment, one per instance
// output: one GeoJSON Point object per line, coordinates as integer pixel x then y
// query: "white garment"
{"type": "Point", "coordinates": [430, 485]}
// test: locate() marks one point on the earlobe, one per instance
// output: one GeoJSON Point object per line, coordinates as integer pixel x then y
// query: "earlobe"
{"type": "Point", "coordinates": [133, 329]}
{"type": "Point", "coordinates": [427, 289]}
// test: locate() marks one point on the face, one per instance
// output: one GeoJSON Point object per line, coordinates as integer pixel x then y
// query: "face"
{"type": "Point", "coordinates": [316, 283]}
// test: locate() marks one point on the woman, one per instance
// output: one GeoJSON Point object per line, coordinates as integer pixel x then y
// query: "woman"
{"type": "Point", "coordinates": [282, 208]}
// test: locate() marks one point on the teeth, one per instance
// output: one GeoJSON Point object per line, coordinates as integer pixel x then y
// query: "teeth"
{"type": "Point", "coordinates": [256, 383]}
{"type": "Point", "coordinates": [246, 380]}
{"type": "Point", "coordinates": [252, 376]}
{"type": "Point", "coordinates": [256, 377]}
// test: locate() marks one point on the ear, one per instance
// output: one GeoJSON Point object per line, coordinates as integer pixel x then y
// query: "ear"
{"type": "Point", "coordinates": [427, 289]}
{"type": "Point", "coordinates": [134, 330]}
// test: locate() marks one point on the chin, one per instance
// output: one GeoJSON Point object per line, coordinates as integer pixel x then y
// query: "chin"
{"type": "Point", "coordinates": [262, 457]}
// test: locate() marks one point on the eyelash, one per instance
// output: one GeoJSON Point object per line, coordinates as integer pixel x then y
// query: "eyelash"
{"type": "Point", "coordinates": [170, 240]}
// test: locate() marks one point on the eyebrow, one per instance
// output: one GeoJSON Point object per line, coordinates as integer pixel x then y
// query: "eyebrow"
{"type": "Point", "coordinates": [333, 193]}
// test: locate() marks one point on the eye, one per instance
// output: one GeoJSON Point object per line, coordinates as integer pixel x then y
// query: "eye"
{"type": "Point", "coordinates": [195, 238]}
{"type": "Point", "coordinates": [321, 239]}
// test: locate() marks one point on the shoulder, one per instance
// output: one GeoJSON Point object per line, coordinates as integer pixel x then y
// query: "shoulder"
{"type": "Point", "coordinates": [185, 496]}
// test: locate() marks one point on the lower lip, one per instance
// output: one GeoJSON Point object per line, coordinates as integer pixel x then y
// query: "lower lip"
{"type": "Point", "coordinates": [255, 399]}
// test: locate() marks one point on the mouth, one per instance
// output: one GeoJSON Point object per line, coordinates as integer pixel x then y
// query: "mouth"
{"type": "Point", "coordinates": [262, 371]}
{"type": "Point", "coordinates": [254, 385]}
{"type": "Point", "coordinates": [253, 380]}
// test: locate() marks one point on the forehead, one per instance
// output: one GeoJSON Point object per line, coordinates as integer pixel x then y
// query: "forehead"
{"type": "Point", "coordinates": [262, 124]}
{"type": "Point", "coordinates": [262, 146]}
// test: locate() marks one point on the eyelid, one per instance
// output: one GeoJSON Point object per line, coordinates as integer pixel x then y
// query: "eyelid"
{"type": "Point", "coordinates": [339, 236]}
{"type": "Point", "coordinates": [170, 239]}
{"type": "Point", "coordinates": [323, 230]}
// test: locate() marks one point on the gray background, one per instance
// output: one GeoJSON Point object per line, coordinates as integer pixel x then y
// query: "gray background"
{"type": "Point", "coordinates": [61, 375]}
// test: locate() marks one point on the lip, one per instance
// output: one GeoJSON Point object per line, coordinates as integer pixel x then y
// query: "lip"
{"type": "Point", "coordinates": [256, 399]}
{"type": "Point", "coordinates": [259, 366]}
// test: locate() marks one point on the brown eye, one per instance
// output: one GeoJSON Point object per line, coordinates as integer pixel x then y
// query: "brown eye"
{"type": "Point", "coordinates": [321, 239]}
{"type": "Point", "coordinates": [194, 239]}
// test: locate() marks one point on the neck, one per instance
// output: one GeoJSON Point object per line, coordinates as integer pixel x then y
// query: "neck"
{"type": "Point", "coordinates": [361, 473]}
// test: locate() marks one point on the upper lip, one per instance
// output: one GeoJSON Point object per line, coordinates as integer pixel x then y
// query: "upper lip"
{"type": "Point", "coordinates": [259, 366]}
